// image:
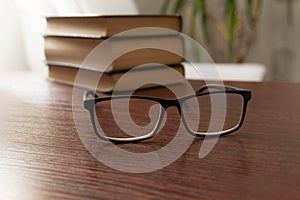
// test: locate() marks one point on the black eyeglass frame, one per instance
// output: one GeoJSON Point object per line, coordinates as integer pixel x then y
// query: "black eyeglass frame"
{"type": "Point", "coordinates": [89, 104]}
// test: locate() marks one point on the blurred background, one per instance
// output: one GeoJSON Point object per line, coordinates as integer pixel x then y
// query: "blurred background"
{"type": "Point", "coordinates": [234, 32]}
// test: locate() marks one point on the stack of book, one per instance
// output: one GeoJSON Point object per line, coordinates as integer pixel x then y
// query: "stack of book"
{"type": "Point", "coordinates": [70, 40]}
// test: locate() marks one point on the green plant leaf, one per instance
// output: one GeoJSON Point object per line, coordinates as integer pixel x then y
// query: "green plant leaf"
{"type": "Point", "coordinates": [165, 6]}
{"type": "Point", "coordinates": [193, 23]}
{"type": "Point", "coordinates": [290, 12]}
{"type": "Point", "coordinates": [193, 33]}
{"type": "Point", "coordinates": [231, 14]}
{"type": "Point", "coordinates": [179, 4]}
{"type": "Point", "coordinates": [249, 9]}
{"type": "Point", "coordinates": [201, 4]}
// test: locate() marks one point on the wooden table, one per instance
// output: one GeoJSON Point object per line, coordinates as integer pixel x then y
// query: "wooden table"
{"type": "Point", "coordinates": [42, 157]}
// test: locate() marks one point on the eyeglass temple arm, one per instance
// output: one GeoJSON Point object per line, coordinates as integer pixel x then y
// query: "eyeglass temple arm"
{"type": "Point", "coordinates": [89, 93]}
{"type": "Point", "coordinates": [218, 87]}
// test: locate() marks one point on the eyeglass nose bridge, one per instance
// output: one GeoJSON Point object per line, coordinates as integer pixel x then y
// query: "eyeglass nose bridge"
{"type": "Point", "coordinates": [167, 103]}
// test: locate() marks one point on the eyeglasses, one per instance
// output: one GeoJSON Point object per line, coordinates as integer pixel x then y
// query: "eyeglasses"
{"type": "Point", "coordinates": [214, 110]}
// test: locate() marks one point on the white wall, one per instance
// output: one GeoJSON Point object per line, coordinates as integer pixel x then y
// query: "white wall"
{"type": "Point", "coordinates": [11, 41]}
{"type": "Point", "coordinates": [149, 6]}
{"type": "Point", "coordinates": [278, 44]}
{"type": "Point", "coordinates": [22, 26]}
{"type": "Point", "coordinates": [274, 35]}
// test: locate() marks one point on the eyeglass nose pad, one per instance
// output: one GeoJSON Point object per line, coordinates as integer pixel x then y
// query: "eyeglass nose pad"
{"type": "Point", "coordinates": [179, 110]}
{"type": "Point", "coordinates": [158, 124]}
{"type": "Point", "coordinates": [89, 95]}
{"type": "Point", "coordinates": [160, 119]}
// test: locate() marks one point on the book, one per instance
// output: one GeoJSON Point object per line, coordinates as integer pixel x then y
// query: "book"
{"type": "Point", "coordinates": [74, 50]}
{"type": "Point", "coordinates": [107, 26]}
{"type": "Point", "coordinates": [88, 79]}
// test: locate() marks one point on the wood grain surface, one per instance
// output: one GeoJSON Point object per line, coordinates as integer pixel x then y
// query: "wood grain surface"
{"type": "Point", "coordinates": [42, 156]}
